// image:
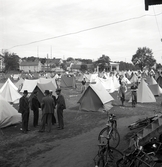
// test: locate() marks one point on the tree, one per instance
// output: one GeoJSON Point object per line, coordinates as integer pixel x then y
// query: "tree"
{"type": "Point", "coordinates": [103, 62]}
{"type": "Point", "coordinates": [83, 67]}
{"type": "Point", "coordinates": [143, 58]}
{"type": "Point", "coordinates": [69, 59]}
{"type": "Point", "coordinates": [11, 61]}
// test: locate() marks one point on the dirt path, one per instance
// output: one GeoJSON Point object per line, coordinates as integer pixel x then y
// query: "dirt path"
{"type": "Point", "coordinates": [80, 150]}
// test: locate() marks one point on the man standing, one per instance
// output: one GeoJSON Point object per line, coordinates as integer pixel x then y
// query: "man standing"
{"type": "Point", "coordinates": [83, 85]}
{"type": "Point", "coordinates": [60, 107]}
{"type": "Point", "coordinates": [47, 106]}
{"type": "Point", "coordinates": [35, 107]}
{"type": "Point", "coordinates": [24, 110]}
{"type": "Point", "coordinates": [54, 99]}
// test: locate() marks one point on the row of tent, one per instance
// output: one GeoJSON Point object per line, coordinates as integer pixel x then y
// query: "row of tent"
{"type": "Point", "coordinates": [96, 97]}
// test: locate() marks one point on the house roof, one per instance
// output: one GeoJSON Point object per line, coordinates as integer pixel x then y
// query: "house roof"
{"type": "Point", "coordinates": [29, 63]}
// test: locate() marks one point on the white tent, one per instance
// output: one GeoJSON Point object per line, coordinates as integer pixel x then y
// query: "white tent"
{"type": "Point", "coordinates": [9, 92]}
{"type": "Point", "coordinates": [29, 85]}
{"type": "Point", "coordinates": [144, 94]}
{"type": "Point", "coordinates": [151, 81]}
{"type": "Point", "coordinates": [8, 114]}
{"type": "Point", "coordinates": [8, 82]}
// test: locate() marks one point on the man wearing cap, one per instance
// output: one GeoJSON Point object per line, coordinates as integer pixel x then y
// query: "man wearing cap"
{"type": "Point", "coordinates": [35, 107]}
{"type": "Point", "coordinates": [60, 107]}
{"type": "Point", "coordinates": [47, 106]}
{"type": "Point", "coordinates": [24, 110]}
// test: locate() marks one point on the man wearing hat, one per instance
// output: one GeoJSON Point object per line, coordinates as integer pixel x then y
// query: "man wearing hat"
{"type": "Point", "coordinates": [60, 107]}
{"type": "Point", "coordinates": [47, 106]}
{"type": "Point", "coordinates": [35, 107]}
{"type": "Point", "coordinates": [24, 110]}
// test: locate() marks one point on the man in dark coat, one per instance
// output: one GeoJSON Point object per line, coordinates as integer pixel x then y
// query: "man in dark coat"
{"type": "Point", "coordinates": [60, 107]}
{"type": "Point", "coordinates": [47, 106]}
{"type": "Point", "coordinates": [54, 99]}
{"type": "Point", "coordinates": [35, 107]}
{"type": "Point", "coordinates": [24, 110]}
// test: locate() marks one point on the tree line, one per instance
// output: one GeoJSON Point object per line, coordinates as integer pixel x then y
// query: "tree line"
{"type": "Point", "coordinates": [143, 58]}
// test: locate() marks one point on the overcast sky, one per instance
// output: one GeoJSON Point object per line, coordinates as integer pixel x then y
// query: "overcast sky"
{"type": "Point", "coordinates": [113, 27]}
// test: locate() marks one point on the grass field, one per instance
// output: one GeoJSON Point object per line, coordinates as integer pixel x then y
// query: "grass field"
{"type": "Point", "coordinates": [18, 148]}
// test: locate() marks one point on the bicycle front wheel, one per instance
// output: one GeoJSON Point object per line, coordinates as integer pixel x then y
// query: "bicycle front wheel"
{"type": "Point", "coordinates": [114, 136]}
{"type": "Point", "coordinates": [112, 156]}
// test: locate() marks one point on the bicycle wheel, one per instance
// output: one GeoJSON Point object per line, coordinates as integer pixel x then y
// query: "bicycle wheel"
{"type": "Point", "coordinates": [114, 137]}
{"type": "Point", "coordinates": [112, 156]}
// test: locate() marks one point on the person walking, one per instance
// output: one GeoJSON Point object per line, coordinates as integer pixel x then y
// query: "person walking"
{"type": "Point", "coordinates": [60, 107]}
{"type": "Point", "coordinates": [35, 107]}
{"type": "Point", "coordinates": [24, 110]}
{"type": "Point", "coordinates": [121, 92]}
{"type": "Point", "coordinates": [47, 106]}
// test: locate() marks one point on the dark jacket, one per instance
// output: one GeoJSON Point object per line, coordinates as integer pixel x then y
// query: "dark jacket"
{"type": "Point", "coordinates": [23, 105]}
{"type": "Point", "coordinates": [61, 102]}
{"type": "Point", "coordinates": [35, 103]}
{"type": "Point", "coordinates": [47, 105]}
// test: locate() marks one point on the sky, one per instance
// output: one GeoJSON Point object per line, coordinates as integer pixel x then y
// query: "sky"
{"type": "Point", "coordinates": [85, 29]}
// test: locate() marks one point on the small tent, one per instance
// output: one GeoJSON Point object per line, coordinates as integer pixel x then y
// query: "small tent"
{"type": "Point", "coordinates": [95, 98]}
{"type": "Point", "coordinates": [134, 78]}
{"type": "Point", "coordinates": [68, 81]}
{"type": "Point", "coordinates": [8, 114]}
{"type": "Point", "coordinates": [144, 94]}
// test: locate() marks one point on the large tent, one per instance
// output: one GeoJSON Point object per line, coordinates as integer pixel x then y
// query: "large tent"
{"type": "Point", "coordinates": [144, 94]}
{"type": "Point", "coordinates": [155, 89]}
{"type": "Point", "coordinates": [68, 81]}
{"type": "Point", "coordinates": [8, 114]}
{"type": "Point", "coordinates": [95, 98]}
{"type": "Point", "coordinates": [9, 92]}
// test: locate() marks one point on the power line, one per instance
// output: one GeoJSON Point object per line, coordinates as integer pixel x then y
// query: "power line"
{"type": "Point", "coordinates": [157, 23]}
{"type": "Point", "coordinates": [89, 29]}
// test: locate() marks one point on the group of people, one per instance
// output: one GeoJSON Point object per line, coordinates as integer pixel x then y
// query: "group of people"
{"type": "Point", "coordinates": [48, 105]}
{"type": "Point", "coordinates": [123, 89]}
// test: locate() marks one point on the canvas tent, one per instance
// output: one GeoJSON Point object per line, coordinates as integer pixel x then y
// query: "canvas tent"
{"type": "Point", "coordinates": [95, 98]}
{"type": "Point", "coordinates": [9, 92]}
{"type": "Point", "coordinates": [8, 114]}
{"type": "Point", "coordinates": [40, 88]}
{"type": "Point", "coordinates": [151, 81]}
{"type": "Point", "coordinates": [8, 82]}
{"type": "Point", "coordinates": [67, 81]}
{"type": "Point", "coordinates": [29, 85]}
{"type": "Point", "coordinates": [155, 89]}
{"type": "Point", "coordinates": [144, 94]}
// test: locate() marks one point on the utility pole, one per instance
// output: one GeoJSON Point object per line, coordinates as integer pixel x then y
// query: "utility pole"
{"type": "Point", "coordinates": [51, 52]}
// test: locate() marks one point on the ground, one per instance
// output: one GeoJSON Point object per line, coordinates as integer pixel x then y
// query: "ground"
{"type": "Point", "coordinates": [76, 145]}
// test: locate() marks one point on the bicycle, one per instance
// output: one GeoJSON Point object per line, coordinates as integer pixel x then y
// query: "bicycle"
{"type": "Point", "coordinates": [142, 156]}
{"type": "Point", "coordinates": [107, 156]}
{"type": "Point", "coordinates": [111, 131]}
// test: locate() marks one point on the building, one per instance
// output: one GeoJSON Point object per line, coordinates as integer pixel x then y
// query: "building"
{"type": "Point", "coordinates": [31, 66]}
{"type": "Point", "coordinates": [114, 66]}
